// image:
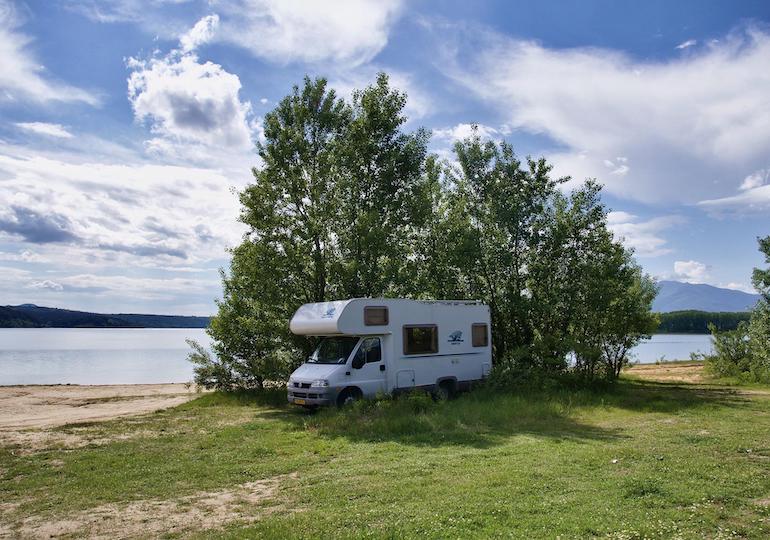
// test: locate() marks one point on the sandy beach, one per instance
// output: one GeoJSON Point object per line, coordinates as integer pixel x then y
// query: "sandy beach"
{"type": "Point", "coordinates": [41, 407]}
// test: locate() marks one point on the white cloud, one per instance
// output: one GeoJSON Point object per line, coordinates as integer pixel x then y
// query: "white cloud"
{"type": "Point", "coordinates": [22, 256]}
{"type": "Point", "coordinates": [755, 180]}
{"type": "Point", "coordinates": [690, 128]}
{"type": "Point", "coordinates": [644, 237]}
{"type": "Point", "coordinates": [687, 44]}
{"type": "Point", "coordinates": [748, 200]}
{"type": "Point", "coordinates": [46, 284]}
{"type": "Point", "coordinates": [201, 33]}
{"type": "Point", "coordinates": [691, 271]}
{"type": "Point", "coordinates": [22, 77]}
{"type": "Point", "coordinates": [349, 32]}
{"type": "Point", "coordinates": [463, 131]}
{"type": "Point", "coordinates": [44, 128]}
{"type": "Point", "coordinates": [744, 287]}
{"type": "Point", "coordinates": [116, 213]}
{"type": "Point", "coordinates": [188, 101]}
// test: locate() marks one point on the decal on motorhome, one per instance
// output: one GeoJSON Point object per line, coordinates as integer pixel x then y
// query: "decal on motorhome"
{"type": "Point", "coordinates": [329, 313]}
{"type": "Point", "coordinates": [456, 337]}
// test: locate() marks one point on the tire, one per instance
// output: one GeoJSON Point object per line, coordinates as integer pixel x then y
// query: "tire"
{"type": "Point", "coordinates": [444, 391]}
{"type": "Point", "coordinates": [348, 397]}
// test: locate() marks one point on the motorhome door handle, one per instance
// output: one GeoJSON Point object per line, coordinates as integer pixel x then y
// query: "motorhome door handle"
{"type": "Point", "coordinates": [347, 373]}
{"type": "Point", "coordinates": [382, 367]}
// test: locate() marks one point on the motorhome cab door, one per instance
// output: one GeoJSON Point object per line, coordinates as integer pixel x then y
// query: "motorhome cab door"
{"type": "Point", "coordinates": [368, 366]}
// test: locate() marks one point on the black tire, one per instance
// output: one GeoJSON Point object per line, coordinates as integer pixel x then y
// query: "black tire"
{"type": "Point", "coordinates": [444, 391]}
{"type": "Point", "coordinates": [348, 397]}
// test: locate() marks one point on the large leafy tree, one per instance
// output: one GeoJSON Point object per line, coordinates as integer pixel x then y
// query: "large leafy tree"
{"type": "Point", "coordinates": [381, 198]}
{"type": "Point", "coordinates": [759, 327]}
{"type": "Point", "coordinates": [346, 203]}
{"type": "Point", "coordinates": [496, 223]}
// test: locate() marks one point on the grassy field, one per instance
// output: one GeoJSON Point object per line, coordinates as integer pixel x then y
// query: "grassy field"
{"type": "Point", "coordinates": [641, 460]}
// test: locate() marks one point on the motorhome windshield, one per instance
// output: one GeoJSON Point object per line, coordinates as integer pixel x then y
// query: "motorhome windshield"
{"type": "Point", "coordinates": [333, 350]}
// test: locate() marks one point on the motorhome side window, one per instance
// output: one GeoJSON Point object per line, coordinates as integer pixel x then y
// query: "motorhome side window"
{"type": "Point", "coordinates": [375, 316]}
{"type": "Point", "coordinates": [370, 350]}
{"type": "Point", "coordinates": [420, 339]}
{"type": "Point", "coordinates": [480, 335]}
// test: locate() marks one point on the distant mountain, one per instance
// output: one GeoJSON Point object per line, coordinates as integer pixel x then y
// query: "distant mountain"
{"type": "Point", "coordinates": [678, 296]}
{"type": "Point", "coordinates": [32, 316]}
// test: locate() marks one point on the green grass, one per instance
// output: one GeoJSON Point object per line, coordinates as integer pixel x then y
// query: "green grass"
{"type": "Point", "coordinates": [640, 460]}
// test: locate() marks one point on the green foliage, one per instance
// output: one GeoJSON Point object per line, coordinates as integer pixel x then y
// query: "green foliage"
{"type": "Point", "coordinates": [697, 322]}
{"type": "Point", "coordinates": [744, 353]}
{"type": "Point", "coordinates": [677, 461]}
{"type": "Point", "coordinates": [347, 204]}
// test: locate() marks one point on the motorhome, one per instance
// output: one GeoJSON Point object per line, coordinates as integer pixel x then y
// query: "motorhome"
{"type": "Point", "coordinates": [374, 346]}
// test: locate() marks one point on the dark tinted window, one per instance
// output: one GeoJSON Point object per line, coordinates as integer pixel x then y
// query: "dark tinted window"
{"type": "Point", "coordinates": [375, 316]}
{"type": "Point", "coordinates": [333, 350]}
{"type": "Point", "coordinates": [421, 339]}
{"type": "Point", "coordinates": [370, 350]}
{"type": "Point", "coordinates": [480, 335]}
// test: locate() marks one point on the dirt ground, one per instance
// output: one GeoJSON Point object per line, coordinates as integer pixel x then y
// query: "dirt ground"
{"type": "Point", "coordinates": [29, 407]}
{"type": "Point", "coordinates": [691, 372]}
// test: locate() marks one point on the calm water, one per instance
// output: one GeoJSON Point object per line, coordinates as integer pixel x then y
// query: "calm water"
{"type": "Point", "coordinates": [158, 355]}
{"type": "Point", "coordinates": [96, 355]}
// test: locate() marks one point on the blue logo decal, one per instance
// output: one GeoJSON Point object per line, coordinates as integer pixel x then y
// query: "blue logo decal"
{"type": "Point", "coordinates": [329, 313]}
{"type": "Point", "coordinates": [455, 337]}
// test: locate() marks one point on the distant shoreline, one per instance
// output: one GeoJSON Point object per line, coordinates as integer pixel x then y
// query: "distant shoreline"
{"type": "Point", "coordinates": [32, 316]}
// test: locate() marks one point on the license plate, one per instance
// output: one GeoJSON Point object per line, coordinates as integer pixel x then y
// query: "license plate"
{"type": "Point", "coordinates": [299, 401]}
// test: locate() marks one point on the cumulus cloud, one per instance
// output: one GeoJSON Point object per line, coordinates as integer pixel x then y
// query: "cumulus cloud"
{"type": "Point", "coordinates": [690, 128]}
{"type": "Point", "coordinates": [44, 128]}
{"type": "Point", "coordinates": [463, 131]}
{"type": "Point", "coordinates": [349, 32]}
{"type": "Point", "coordinates": [644, 237]}
{"type": "Point", "coordinates": [22, 77]}
{"type": "Point", "coordinates": [691, 271]}
{"type": "Point", "coordinates": [184, 99]}
{"type": "Point", "coordinates": [201, 33]}
{"type": "Point", "coordinates": [46, 284]}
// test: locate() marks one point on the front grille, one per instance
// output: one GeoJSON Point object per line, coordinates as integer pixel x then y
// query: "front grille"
{"type": "Point", "coordinates": [302, 385]}
{"type": "Point", "coordinates": [300, 394]}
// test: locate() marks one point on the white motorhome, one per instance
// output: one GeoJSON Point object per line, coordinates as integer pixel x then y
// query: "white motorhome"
{"type": "Point", "coordinates": [376, 346]}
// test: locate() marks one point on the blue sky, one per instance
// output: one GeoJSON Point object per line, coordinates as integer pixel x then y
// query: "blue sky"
{"type": "Point", "coordinates": [125, 126]}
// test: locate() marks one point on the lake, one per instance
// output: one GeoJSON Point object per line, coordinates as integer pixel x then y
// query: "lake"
{"type": "Point", "coordinates": [158, 355]}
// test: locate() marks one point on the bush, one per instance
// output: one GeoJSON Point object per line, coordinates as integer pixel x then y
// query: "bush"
{"type": "Point", "coordinates": [735, 356]}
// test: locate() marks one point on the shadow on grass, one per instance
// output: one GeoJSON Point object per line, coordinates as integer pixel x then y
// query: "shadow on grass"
{"type": "Point", "coordinates": [484, 417]}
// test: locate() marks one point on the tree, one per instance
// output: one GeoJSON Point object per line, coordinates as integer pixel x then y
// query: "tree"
{"type": "Point", "coordinates": [346, 203]}
{"type": "Point", "coordinates": [759, 327]}
{"type": "Point", "coordinates": [380, 195]}
{"type": "Point", "coordinates": [745, 352]}
{"type": "Point", "coordinates": [496, 222]}
{"type": "Point", "coordinates": [331, 214]}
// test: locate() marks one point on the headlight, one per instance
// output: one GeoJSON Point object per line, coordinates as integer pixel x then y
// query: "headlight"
{"type": "Point", "coordinates": [320, 383]}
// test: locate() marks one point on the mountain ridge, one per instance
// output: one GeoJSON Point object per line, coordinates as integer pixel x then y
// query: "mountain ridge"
{"type": "Point", "coordinates": [681, 296]}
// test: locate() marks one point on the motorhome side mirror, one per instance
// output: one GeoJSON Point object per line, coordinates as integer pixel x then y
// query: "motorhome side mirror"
{"type": "Point", "coordinates": [358, 362]}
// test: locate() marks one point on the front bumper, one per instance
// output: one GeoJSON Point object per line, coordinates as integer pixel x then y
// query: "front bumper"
{"type": "Point", "coordinates": [311, 397]}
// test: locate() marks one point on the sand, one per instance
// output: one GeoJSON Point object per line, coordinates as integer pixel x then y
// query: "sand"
{"type": "Point", "coordinates": [689, 372]}
{"type": "Point", "coordinates": [41, 407]}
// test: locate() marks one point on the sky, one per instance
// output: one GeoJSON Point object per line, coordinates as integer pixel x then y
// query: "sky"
{"type": "Point", "coordinates": [127, 127]}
